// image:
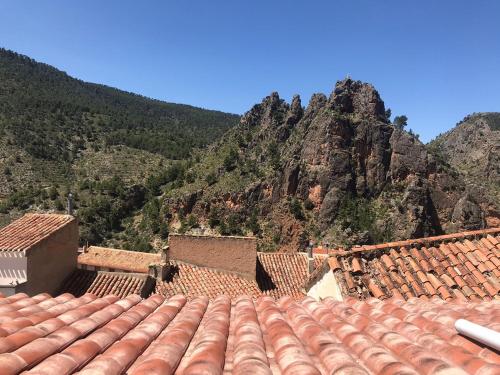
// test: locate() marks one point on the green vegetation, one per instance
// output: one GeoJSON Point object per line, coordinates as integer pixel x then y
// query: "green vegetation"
{"type": "Point", "coordinates": [360, 215]}
{"type": "Point", "coordinates": [53, 116]}
{"type": "Point", "coordinates": [400, 122]}
{"type": "Point", "coordinates": [296, 209]}
{"type": "Point", "coordinates": [109, 147]}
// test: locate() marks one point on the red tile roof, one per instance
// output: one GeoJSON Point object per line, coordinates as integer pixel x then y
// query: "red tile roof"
{"type": "Point", "coordinates": [468, 269]}
{"type": "Point", "coordinates": [29, 230]}
{"type": "Point", "coordinates": [242, 336]}
{"type": "Point", "coordinates": [278, 274]}
{"type": "Point", "coordinates": [132, 261]}
{"type": "Point", "coordinates": [102, 283]}
{"type": "Point", "coordinates": [425, 241]}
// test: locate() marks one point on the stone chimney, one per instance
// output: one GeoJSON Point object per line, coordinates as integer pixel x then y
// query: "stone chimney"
{"type": "Point", "coordinates": [160, 270]}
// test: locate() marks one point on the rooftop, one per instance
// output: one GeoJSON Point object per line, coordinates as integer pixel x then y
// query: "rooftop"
{"type": "Point", "coordinates": [132, 261]}
{"type": "Point", "coordinates": [278, 274]}
{"type": "Point", "coordinates": [101, 283]}
{"type": "Point", "coordinates": [464, 267]}
{"type": "Point", "coordinates": [240, 336]}
{"type": "Point", "coordinates": [24, 233]}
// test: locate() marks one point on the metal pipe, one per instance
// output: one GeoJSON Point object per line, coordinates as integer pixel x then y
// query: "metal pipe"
{"type": "Point", "coordinates": [478, 333]}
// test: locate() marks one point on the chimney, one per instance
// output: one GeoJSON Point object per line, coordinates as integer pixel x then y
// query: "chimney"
{"type": "Point", "coordinates": [310, 258]}
{"type": "Point", "coordinates": [165, 254]}
{"type": "Point", "coordinates": [158, 271]}
{"type": "Point", "coordinates": [70, 204]}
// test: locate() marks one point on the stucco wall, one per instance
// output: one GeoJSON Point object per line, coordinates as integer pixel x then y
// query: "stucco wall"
{"type": "Point", "coordinates": [232, 254]}
{"type": "Point", "coordinates": [13, 265]}
{"type": "Point", "coordinates": [326, 286]}
{"type": "Point", "coordinates": [52, 260]}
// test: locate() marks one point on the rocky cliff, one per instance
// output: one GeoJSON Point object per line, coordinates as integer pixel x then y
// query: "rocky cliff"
{"type": "Point", "coordinates": [337, 170]}
{"type": "Point", "coordinates": [473, 149]}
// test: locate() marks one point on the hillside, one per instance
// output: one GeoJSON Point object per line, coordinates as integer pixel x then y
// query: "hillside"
{"type": "Point", "coordinates": [338, 171]}
{"type": "Point", "coordinates": [60, 134]}
{"type": "Point", "coordinates": [53, 116]}
{"type": "Point", "coordinates": [472, 147]}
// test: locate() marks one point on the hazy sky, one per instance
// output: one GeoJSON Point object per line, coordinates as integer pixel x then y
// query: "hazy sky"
{"type": "Point", "coordinates": [434, 61]}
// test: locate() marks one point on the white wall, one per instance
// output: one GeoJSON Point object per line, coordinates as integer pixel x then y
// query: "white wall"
{"type": "Point", "coordinates": [13, 266]}
{"type": "Point", "coordinates": [327, 286]}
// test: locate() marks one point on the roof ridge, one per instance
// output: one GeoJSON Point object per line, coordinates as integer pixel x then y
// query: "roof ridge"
{"type": "Point", "coordinates": [420, 241]}
{"type": "Point", "coordinates": [31, 229]}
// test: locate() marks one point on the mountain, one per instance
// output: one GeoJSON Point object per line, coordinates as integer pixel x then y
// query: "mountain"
{"type": "Point", "coordinates": [60, 134]}
{"type": "Point", "coordinates": [472, 147]}
{"type": "Point", "coordinates": [54, 116]}
{"type": "Point", "coordinates": [338, 170]}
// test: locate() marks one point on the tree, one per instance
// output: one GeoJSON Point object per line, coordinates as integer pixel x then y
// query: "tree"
{"type": "Point", "coordinates": [59, 205]}
{"type": "Point", "coordinates": [308, 204]}
{"type": "Point", "coordinates": [274, 155]}
{"type": "Point", "coordinates": [192, 221]}
{"type": "Point", "coordinates": [53, 193]}
{"type": "Point", "coordinates": [164, 230]}
{"type": "Point", "coordinates": [400, 122]}
{"type": "Point", "coordinates": [214, 217]}
{"type": "Point", "coordinates": [296, 209]}
{"type": "Point", "coordinates": [388, 114]}
{"type": "Point", "coordinates": [211, 178]}
{"type": "Point", "coordinates": [231, 159]}
{"type": "Point", "coordinates": [253, 223]}
{"type": "Point", "coordinates": [233, 227]}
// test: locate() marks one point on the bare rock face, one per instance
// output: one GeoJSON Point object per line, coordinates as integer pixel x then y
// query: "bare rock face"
{"type": "Point", "coordinates": [409, 156]}
{"type": "Point", "coordinates": [356, 97]}
{"type": "Point", "coordinates": [472, 148]}
{"type": "Point", "coordinates": [467, 214]}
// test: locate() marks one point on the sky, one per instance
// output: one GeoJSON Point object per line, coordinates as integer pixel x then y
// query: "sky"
{"type": "Point", "coordinates": [433, 61]}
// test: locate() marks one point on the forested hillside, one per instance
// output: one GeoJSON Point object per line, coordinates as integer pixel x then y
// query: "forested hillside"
{"type": "Point", "coordinates": [54, 116]}
{"type": "Point", "coordinates": [59, 134]}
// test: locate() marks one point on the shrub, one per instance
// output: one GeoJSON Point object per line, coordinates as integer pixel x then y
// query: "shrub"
{"type": "Point", "coordinates": [211, 179]}
{"type": "Point", "coordinates": [308, 204]}
{"type": "Point", "coordinates": [296, 209]}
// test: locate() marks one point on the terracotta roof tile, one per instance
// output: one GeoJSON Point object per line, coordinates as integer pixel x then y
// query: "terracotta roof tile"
{"type": "Point", "coordinates": [29, 230]}
{"type": "Point", "coordinates": [132, 261]}
{"type": "Point", "coordinates": [472, 265]}
{"type": "Point", "coordinates": [278, 274]}
{"type": "Point", "coordinates": [103, 283]}
{"type": "Point", "coordinates": [246, 336]}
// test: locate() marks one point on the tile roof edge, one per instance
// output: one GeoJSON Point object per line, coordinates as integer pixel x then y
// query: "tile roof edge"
{"type": "Point", "coordinates": [119, 250]}
{"type": "Point", "coordinates": [117, 267]}
{"type": "Point", "coordinates": [175, 262]}
{"type": "Point", "coordinates": [421, 241]}
{"type": "Point", "coordinates": [24, 250]}
{"type": "Point", "coordinates": [71, 219]}
{"type": "Point", "coordinates": [117, 273]}
{"type": "Point", "coordinates": [218, 237]}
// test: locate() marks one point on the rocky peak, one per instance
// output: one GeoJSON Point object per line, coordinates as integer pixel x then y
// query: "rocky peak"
{"type": "Point", "coordinates": [351, 96]}
{"type": "Point", "coordinates": [295, 112]}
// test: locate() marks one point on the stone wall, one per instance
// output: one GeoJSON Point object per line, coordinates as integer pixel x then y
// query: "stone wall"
{"type": "Point", "coordinates": [232, 254]}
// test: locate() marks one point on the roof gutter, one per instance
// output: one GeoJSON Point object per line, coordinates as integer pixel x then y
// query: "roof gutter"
{"type": "Point", "coordinates": [478, 333]}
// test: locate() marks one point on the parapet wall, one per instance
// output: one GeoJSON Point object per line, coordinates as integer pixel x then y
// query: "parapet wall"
{"type": "Point", "coordinates": [232, 254]}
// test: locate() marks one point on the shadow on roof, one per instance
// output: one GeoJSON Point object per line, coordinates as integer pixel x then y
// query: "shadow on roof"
{"type": "Point", "coordinates": [264, 280]}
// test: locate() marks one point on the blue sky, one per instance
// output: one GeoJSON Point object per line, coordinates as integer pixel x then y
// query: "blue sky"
{"type": "Point", "coordinates": [434, 61]}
